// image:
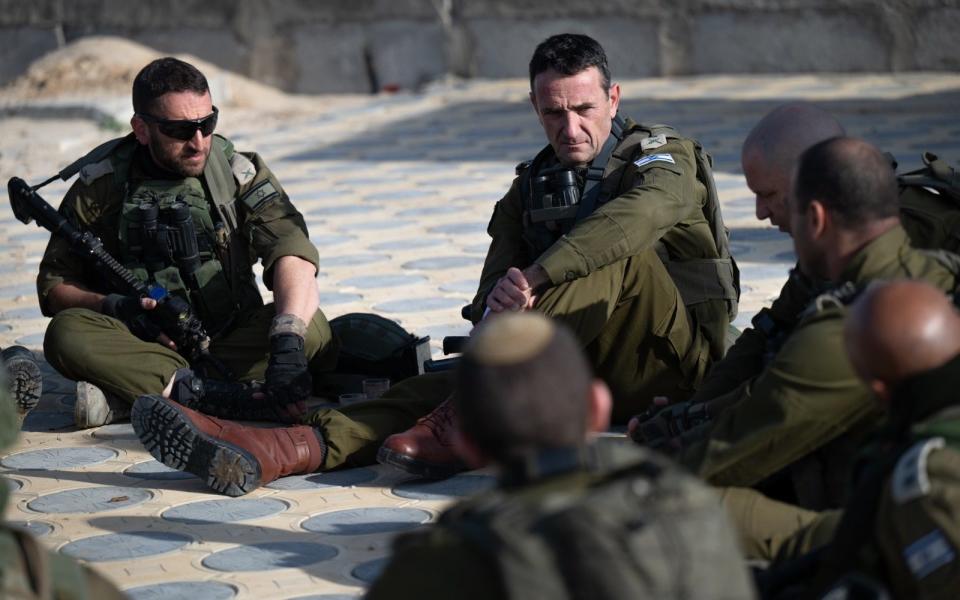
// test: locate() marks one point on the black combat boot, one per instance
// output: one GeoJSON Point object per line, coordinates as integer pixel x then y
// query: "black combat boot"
{"type": "Point", "coordinates": [24, 378]}
{"type": "Point", "coordinates": [241, 401]}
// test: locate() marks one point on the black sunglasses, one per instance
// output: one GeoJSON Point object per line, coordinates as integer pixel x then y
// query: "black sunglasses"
{"type": "Point", "coordinates": [184, 129]}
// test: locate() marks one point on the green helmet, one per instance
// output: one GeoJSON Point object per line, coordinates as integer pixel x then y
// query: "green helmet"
{"type": "Point", "coordinates": [373, 345]}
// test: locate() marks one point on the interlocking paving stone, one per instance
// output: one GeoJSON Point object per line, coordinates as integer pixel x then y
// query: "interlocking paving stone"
{"type": "Point", "coordinates": [35, 528]}
{"type": "Point", "coordinates": [455, 487]}
{"type": "Point", "coordinates": [225, 511]}
{"type": "Point", "coordinates": [463, 286]}
{"type": "Point", "coordinates": [331, 240]}
{"type": "Point", "coordinates": [126, 546]}
{"type": "Point", "coordinates": [327, 597]}
{"type": "Point", "coordinates": [361, 521]}
{"type": "Point", "coordinates": [183, 590]}
{"type": "Point", "coordinates": [333, 479]}
{"type": "Point", "coordinates": [381, 225]}
{"type": "Point", "coordinates": [407, 305]}
{"type": "Point", "coordinates": [114, 431]}
{"type": "Point", "coordinates": [90, 500]}
{"type": "Point", "coordinates": [11, 483]}
{"type": "Point", "coordinates": [33, 340]}
{"type": "Point", "coordinates": [334, 298]}
{"type": "Point", "coordinates": [352, 260]}
{"type": "Point", "coordinates": [58, 458]}
{"type": "Point", "coordinates": [369, 570]}
{"type": "Point", "coordinates": [436, 263]}
{"type": "Point", "coordinates": [382, 281]}
{"type": "Point", "coordinates": [408, 244]}
{"type": "Point", "coordinates": [269, 555]}
{"type": "Point", "coordinates": [45, 420]}
{"type": "Point", "coordinates": [459, 228]}
{"type": "Point", "coordinates": [152, 469]}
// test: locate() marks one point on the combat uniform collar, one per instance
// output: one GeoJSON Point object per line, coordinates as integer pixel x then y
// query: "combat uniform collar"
{"type": "Point", "coordinates": [879, 258]}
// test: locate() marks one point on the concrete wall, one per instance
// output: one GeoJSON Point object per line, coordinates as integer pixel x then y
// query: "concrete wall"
{"type": "Point", "coordinates": [315, 46]}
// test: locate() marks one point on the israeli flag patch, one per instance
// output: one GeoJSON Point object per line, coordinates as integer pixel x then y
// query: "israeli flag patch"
{"type": "Point", "coordinates": [651, 158]}
{"type": "Point", "coordinates": [928, 554]}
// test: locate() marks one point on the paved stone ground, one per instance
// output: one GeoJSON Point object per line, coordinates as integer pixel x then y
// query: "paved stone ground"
{"type": "Point", "coordinates": [396, 192]}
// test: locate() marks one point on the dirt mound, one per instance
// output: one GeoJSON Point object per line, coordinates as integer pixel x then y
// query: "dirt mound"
{"type": "Point", "coordinates": [105, 66]}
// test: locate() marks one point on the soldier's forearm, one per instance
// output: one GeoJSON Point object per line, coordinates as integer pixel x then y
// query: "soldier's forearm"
{"type": "Point", "coordinates": [68, 295]}
{"type": "Point", "coordinates": [295, 287]}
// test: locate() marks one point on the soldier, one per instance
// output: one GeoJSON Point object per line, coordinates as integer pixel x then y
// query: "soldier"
{"type": "Point", "coordinates": [571, 518]}
{"type": "Point", "coordinates": [598, 231]}
{"type": "Point", "coordinates": [794, 428]}
{"type": "Point", "coordinates": [27, 569]}
{"type": "Point", "coordinates": [901, 528]}
{"type": "Point", "coordinates": [152, 196]}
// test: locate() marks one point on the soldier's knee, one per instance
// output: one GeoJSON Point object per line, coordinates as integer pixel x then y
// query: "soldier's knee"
{"type": "Point", "coordinates": [66, 335]}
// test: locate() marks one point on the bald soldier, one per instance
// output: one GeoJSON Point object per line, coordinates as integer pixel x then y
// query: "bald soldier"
{"type": "Point", "coordinates": [571, 517]}
{"type": "Point", "coordinates": [901, 529]}
{"type": "Point", "coordinates": [793, 429]}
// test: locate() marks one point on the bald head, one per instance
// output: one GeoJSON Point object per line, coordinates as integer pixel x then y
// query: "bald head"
{"type": "Point", "coordinates": [772, 148]}
{"type": "Point", "coordinates": [900, 329]}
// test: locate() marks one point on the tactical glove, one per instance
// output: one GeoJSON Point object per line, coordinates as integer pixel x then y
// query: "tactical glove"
{"type": "Point", "coordinates": [668, 425]}
{"type": "Point", "coordinates": [287, 380]}
{"type": "Point", "coordinates": [129, 311]}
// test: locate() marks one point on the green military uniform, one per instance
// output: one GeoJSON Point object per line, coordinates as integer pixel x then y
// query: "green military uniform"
{"type": "Point", "coordinates": [241, 214]}
{"type": "Point", "coordinates": [615, 274]}
{"type": "Point", "coordinates": [612, 278]}
{"type": "Point", "coordinates": [27, 569]}
{"type": "Point", "coordinates": [902, 524]}
{"type": "Point", "coordinates": [609, 522]}
{"type": "Point", "coordinates": [806, 410]}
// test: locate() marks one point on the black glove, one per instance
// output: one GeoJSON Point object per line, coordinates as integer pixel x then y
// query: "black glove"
{"type": "Point", "coordinates": [287, 380]}
{"type": "Point", "coordinates": [129, 311]}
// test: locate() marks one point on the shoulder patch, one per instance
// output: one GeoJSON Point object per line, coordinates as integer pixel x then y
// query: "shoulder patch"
{"type": "Point", "coordinates": [928, 554]}
{"type": "Point", "coordinates": [243, 168]}
{"type": "Point", "coordinates": [652, 158]}
{"type": "Point", "coordinates": [92, 172]}
{"type": "Point", "coordinates": [910, 479]}
{"type": "Point", "coordinates": [260, 196]}
{"type": "Point", "coordinates": [652, 142]}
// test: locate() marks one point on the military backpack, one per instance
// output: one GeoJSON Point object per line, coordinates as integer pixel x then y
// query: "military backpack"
{"type": "Point", "coordinates": [639, 529]}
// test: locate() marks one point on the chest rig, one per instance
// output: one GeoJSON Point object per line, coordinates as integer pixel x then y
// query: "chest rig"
{"type": "Point", "coordinates": [555, 199]}
{"type": "Point", "coordinates": [182, 234]}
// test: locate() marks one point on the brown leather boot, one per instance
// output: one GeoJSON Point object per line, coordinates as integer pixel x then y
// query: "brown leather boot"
{"type": "Point", "coordinates": [426, 449]}
{"type": "Point", "coordinates": [231, 458]}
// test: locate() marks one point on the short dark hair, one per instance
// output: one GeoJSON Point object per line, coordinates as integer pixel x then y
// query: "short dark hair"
{"type": "Point", "coordinates": [851, 178]}
{"type": "Point", "coordinates": [569, 54]}
{"type": "Point", "coordinates": [522, 386]}
{"type": "Point", "coordinates": [162, 76]}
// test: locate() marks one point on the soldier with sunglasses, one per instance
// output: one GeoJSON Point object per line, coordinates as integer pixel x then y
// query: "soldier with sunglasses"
{"type": "Point", "coordinates": [183, 210]}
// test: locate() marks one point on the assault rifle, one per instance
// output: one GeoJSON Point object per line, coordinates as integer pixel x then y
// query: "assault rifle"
{"type": "Point", "coordinates": [173, 315]}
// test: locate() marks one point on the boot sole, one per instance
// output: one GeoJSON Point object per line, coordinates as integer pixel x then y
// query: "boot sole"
{"type": "Point", "coordinates": [26, 383]}
{"type": "Point", "coordinates": [425, 470]}
{"type": "Point", "coordinates": [172, 438]}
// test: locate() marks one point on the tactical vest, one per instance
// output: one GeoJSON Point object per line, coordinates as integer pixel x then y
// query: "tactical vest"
{"type": "Point", "coordinates": [698, 280]}
{"type": "Point", "coordinates": [638, 529]}
{"type": "Point", "coordinates": [221, 282]}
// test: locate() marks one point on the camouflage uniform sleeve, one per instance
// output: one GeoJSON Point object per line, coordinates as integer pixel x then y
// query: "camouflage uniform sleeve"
{"type": "Point", "coordinates": [507, 248]}
{"type": "Point", "coordinates": [659, 195]}
{"type": "Point", "coordinates": [807, 396]}
{"type": "Point", "coordinates": [435, 564]}
{"type": "Point", "coordinates": [918, 532]}
{"type": "Point", "coordinates": [270, 222]}
{"type": "Point", "coordinates": [745, 358]}
{"type": "Point", "coordinates": [94, 208]}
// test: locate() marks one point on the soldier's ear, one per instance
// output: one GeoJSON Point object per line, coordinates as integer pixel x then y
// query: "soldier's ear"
{"type": "Point", "coordinates": [599, 407]}
{"type": "Point", "coordinates": [140, 130]}
{"type": "Point", "coordinates": [818, 218]}
{"type": "Point", "coordinates": [614, 95]}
